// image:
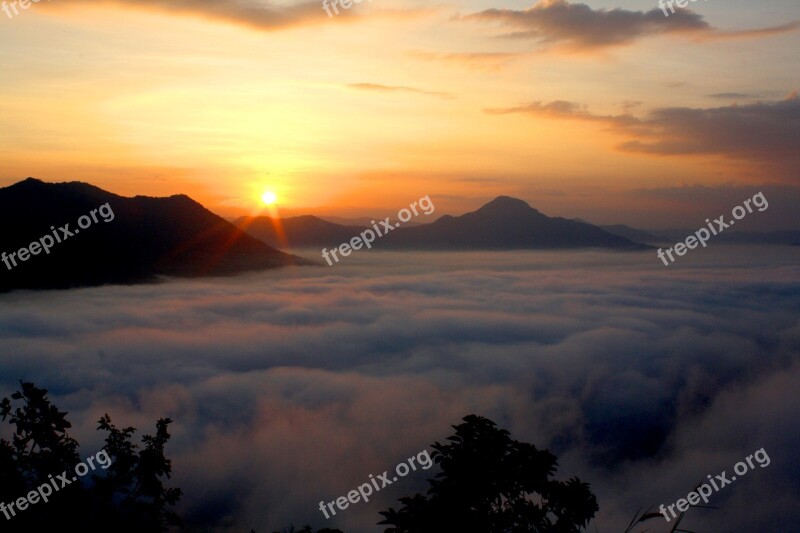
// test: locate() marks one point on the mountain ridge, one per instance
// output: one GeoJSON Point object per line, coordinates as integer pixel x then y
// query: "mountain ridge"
{"type": "Point", "coordinates": [506, 223]}
{"type": "Point", "coordinates": [143, 238]}
{"type": "Point", "coordinates": [502, 223]}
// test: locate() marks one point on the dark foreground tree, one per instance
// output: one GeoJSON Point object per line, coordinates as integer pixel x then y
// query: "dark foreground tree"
{"type": "Point", "coordinates": [489, 483]}
{"type": "Point", "coordinates": [128, 495]}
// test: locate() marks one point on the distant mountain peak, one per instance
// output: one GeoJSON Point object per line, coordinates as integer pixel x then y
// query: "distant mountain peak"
{"type": "Point", "coordinates": [508, 201]}
{"type": "Point", "coordinates": [505, 223]}
{"type": "Point", "coordinates": [507, 206]}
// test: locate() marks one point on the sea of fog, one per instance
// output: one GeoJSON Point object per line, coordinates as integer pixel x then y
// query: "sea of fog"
{"type": "Point", "coordinates": [292, 386]}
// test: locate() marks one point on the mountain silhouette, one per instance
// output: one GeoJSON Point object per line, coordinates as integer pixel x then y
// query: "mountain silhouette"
{"type": "Point", "coordinates": [738, 237]}
{"type": "Point", "coordinates": [505, 223]}
{"type": "Point", "coordinates": [147, 237]}
{"type": "Point", "coordinates": [366, 221]}
{"type": "Point", "coordinates": [502, 224]}
{"type": "Point", "coordinates": [632, 234]}
{"type": "Point", "coordinates": [759, 237]}
{"type": "Point", "coordinates": [299, 231]}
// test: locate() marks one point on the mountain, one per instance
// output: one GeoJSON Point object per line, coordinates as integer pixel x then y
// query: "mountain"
{"type": "Point", "coordinates": [343, 221]}
{"type": "Point", "coordinates": [505, 223]}
{"type": "Point", "coordinates": [298, 231]}
{"type": "Point", "coordinates": [759, 237]}
{"type": "Point", "coordinates": [733, 236]}
{"type": "Point", "coordinates": [633, 234]}
{"type": "Point", "coordinates": [127, 240]}
{"type": "Point", "coordinates": [365, 222]}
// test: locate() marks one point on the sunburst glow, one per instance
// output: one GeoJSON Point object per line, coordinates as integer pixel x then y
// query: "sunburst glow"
{"type": "Point", "coordinates": [269, 198]}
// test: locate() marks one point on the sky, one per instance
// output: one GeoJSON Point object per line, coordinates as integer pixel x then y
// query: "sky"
{"type": "Point", "coordinates": [608, 111]}
{"type": "Point", "coordinates": [290, 387]}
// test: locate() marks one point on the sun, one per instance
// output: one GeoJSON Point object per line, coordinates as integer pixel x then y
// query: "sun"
{"type": "Point", "coordinates": [269, 198]}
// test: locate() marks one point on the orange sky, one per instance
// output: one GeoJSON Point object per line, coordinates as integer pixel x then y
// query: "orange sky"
{"type": "Point", "coordinates": [566, 105]}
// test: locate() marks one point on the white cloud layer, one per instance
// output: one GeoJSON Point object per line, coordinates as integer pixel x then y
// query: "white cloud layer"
{"type": "Point", "coordinates": [291, 387]}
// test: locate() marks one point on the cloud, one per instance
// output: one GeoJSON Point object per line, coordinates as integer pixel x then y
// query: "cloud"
{"type": "Point", "coordinates": [579, 27]}
{"type": "Point", "coordinates": [289, 387]}
{"type": "Point", "coordinates": [259, 15]}
{"type": "Point", "coordinates": [267, 16]}
{"type": "Point", "coordinates": [732, 96]}
{"type": "Point", "coordinates": [762, 132]}
{"type": "Point", "coordinates": [393, 88]}
{"type": "Point", "coordinates": [479, 60]}
{"type": "Point", "coordinates": [556, 109]}
{"type": "Point", "coordinates": [754, 33]}
{"type": "Point", "coordinates": [629, 105]}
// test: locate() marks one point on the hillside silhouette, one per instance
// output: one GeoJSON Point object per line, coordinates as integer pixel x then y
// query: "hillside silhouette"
{"type": "Point", "coordinates": [147, 237]}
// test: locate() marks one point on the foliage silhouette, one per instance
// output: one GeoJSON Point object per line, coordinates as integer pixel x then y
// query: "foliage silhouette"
{"type": "Point", "coordinates": [490, 483]}
{"type": "Point", "coordinates": [129, 496]}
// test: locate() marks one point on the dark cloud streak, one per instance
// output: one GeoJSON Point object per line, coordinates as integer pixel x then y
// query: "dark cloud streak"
{"type": "Point", "coordinates": [762, 132]}
{"type": "Point", "coordinates": [579, 27]}
{"type": "Point", "coordinates": [259, 15]}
